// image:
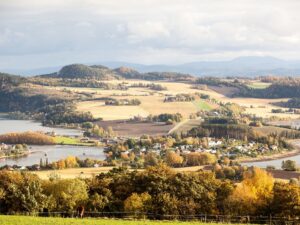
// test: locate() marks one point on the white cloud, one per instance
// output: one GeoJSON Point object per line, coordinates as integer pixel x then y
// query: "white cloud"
{"type": "Point", "coordinates": [151, 31]}
{"type": "Point", "coordinates": [139, 31]}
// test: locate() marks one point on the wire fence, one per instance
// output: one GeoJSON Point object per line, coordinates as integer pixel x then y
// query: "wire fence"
{"type": "Point", "coordinates": [205, 218]}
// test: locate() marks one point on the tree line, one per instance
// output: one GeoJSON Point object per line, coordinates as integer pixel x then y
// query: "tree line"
{"type": "Point", "coordinates": [157, 193]}
{"type": "Point", "coordinates": [32, 138]}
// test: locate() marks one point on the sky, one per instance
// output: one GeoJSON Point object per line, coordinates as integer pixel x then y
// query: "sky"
{"type": "Point", "coordinates": [45, 33]}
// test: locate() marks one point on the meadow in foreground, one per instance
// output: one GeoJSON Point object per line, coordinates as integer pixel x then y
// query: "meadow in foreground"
{"type": "Point", "coordinates": [27, 220]}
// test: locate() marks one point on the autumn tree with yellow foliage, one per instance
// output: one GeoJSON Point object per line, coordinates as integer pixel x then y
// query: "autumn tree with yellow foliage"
{"type": "Point", "coordinates": [253, 194]}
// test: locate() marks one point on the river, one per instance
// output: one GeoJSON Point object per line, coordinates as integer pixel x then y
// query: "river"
{"type": "Point", "coordinates": [8, 126]}
{"type": "Point", "coordinates": [52, 152]}
{"type": "Point", "coordinates": [276, 163]}
{"type": "Point", "coordinates": [57, 152]}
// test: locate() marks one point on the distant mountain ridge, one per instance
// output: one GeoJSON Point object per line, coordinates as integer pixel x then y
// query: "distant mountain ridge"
{"type": "Point", "coordinates": [241, 66]}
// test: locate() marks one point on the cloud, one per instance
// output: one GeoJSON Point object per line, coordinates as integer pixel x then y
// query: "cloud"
{"type": "Point", "coordinates": [139, 31]}
{"type": "Point", "coordinates": [148, 31]}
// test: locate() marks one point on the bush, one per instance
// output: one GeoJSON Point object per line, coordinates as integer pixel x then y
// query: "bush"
{"type": "Point", "coordinates": [289, 165]}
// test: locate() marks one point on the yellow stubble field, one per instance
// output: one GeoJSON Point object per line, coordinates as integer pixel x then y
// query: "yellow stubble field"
{"type": "Point", "coordinates": [152, 101]}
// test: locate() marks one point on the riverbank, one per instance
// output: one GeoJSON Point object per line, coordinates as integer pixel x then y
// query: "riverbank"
{"type": "Point", "coordinates": [282, 155]}
{"type": "Point", "coordinates": [16, 156]}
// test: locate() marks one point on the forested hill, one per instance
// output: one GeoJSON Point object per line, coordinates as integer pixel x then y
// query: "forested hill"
{"type": "Point", "coordinates": [81, 71]}
{"type": "Point", "coordinates": [7, 80]}
{"type": "Point", "coordinates": [283, 88]}
{"type": "Point", "coordinates": [98, 72]}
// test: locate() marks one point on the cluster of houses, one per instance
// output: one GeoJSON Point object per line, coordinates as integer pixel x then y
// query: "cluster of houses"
{"type": "Point", "coordinates": [232, 149]}
{"type": "Point", "coordinates": [12, 150]}
{"type": "Point", "coordinates": [6, 150]}
{"type": "Point", "coordinates": [4, 147]}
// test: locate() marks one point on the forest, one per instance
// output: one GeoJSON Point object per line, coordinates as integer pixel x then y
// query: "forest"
{"type": "Point", "coordinates": [156, 193]}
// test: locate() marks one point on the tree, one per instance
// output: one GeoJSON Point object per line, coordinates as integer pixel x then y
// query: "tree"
{"type": "Point", "coordinates": [253, 194]}
{"type": "Point", "coordinates": [87, 125]}
{"type": "Point", "coordinates": [97, 202]}
{"type": "Point", "coordinates": [150, 159]}
{"type": "Point", "coordinates": [289, 165]}
{"type": "Point", "coordinates": [71, 162]}
{"type": "Point", "coordinates": [198, 159]}
{"type": "Point", "coordinates": [286, 200]}
{"type": "Point", "coordinates": [137, 203]}
{"type": "Point", "coordinates": [65, 195]}
{"type": "Point", "coordinates": [164, 205]}
{"type": "Point", "coordinates": [173, 159]}
{"type": "Point", "coordinates": [20, 192]}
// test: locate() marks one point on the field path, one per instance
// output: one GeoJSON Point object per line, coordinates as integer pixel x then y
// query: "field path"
{"type": "Point", "coordinates": [178, 125]}
{"type": "Point", "coordinates": [186, 125]}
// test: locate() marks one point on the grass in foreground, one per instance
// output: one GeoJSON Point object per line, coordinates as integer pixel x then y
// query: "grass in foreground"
{"type": "Point", "coordinates": [27, 220]}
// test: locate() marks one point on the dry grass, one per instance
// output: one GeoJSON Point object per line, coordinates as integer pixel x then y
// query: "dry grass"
{"type": "Point", "coordinates": [100, 110]}
{"type": "Point", "coordinates": [72, 173]}
{"type": "Point", "coordinates": [136, 129]}
{"type": "Point", "coordinates": [186, 125]}
{"type": "Point", "coordinates": [266, 130]}
{"type": "Point", "coordinates": [90, 172]}
{"type": "Point", "coordinates": [152, 101]}
{"type": "Point", "coordinates": [149, 105]}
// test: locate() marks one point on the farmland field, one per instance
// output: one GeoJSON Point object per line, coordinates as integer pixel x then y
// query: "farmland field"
{"type": "Point", "coordinates": [135, 129]}
{"type": "Point", "coordinates": [152, 101]}
{"type": "Point", "coordinates": [266, 130]}
{"type": "Point", "coordinates": [185, 126]}
{"type": "Point", "coordinates": [203, 105]}
{"type": "Point", "coordinates": [61, 140]}
{"type": "Point", "coordinates": [26, 220]}
{"type": "Point", "coordinates": [259, 85]}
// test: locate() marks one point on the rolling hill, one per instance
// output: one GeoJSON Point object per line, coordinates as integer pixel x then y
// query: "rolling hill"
{"type": "Point", "coordinates": [241, 66]}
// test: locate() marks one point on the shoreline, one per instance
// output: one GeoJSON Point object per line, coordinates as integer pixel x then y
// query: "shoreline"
{"type": "Point", "coordinates": [17, 156]}
{"type": "Point", "coordinates": [283, 155]}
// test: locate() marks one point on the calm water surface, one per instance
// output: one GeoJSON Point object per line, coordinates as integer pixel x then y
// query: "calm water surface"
{"type": "Point", "coordinates": [52, 152]}
{"type": "Point", "coordinates": [57, 152]}
{"type": "Point", "coordinates": [8, 126]}
{"type": "Point", "coordinates": [276, 162]}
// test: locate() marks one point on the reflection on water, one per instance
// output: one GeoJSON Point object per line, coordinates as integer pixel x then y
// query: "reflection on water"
{"type": "Point", "coordinates": [54, 153]}
{"type": "Point", "coordinates": [8, 126]}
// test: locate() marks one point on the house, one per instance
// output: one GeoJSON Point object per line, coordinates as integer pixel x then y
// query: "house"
{"type": "Point", "coordinates": [214, 143]}
{"type": "Point", "coordinates": [157, 146]}
{"type": "Point", "coordinates": [274, 147]}
{"type": "Point", "coordinates": [4, 146]}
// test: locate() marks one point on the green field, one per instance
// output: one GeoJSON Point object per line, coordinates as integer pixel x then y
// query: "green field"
{"type": "Point", "coordinates": [70, 141]}
{"type": "Point", "coordinates": [202, 105]}
{"type": "Point", "coordinates": [27, 220]}
{"type": "Point", "coordinates": [259, 85]}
